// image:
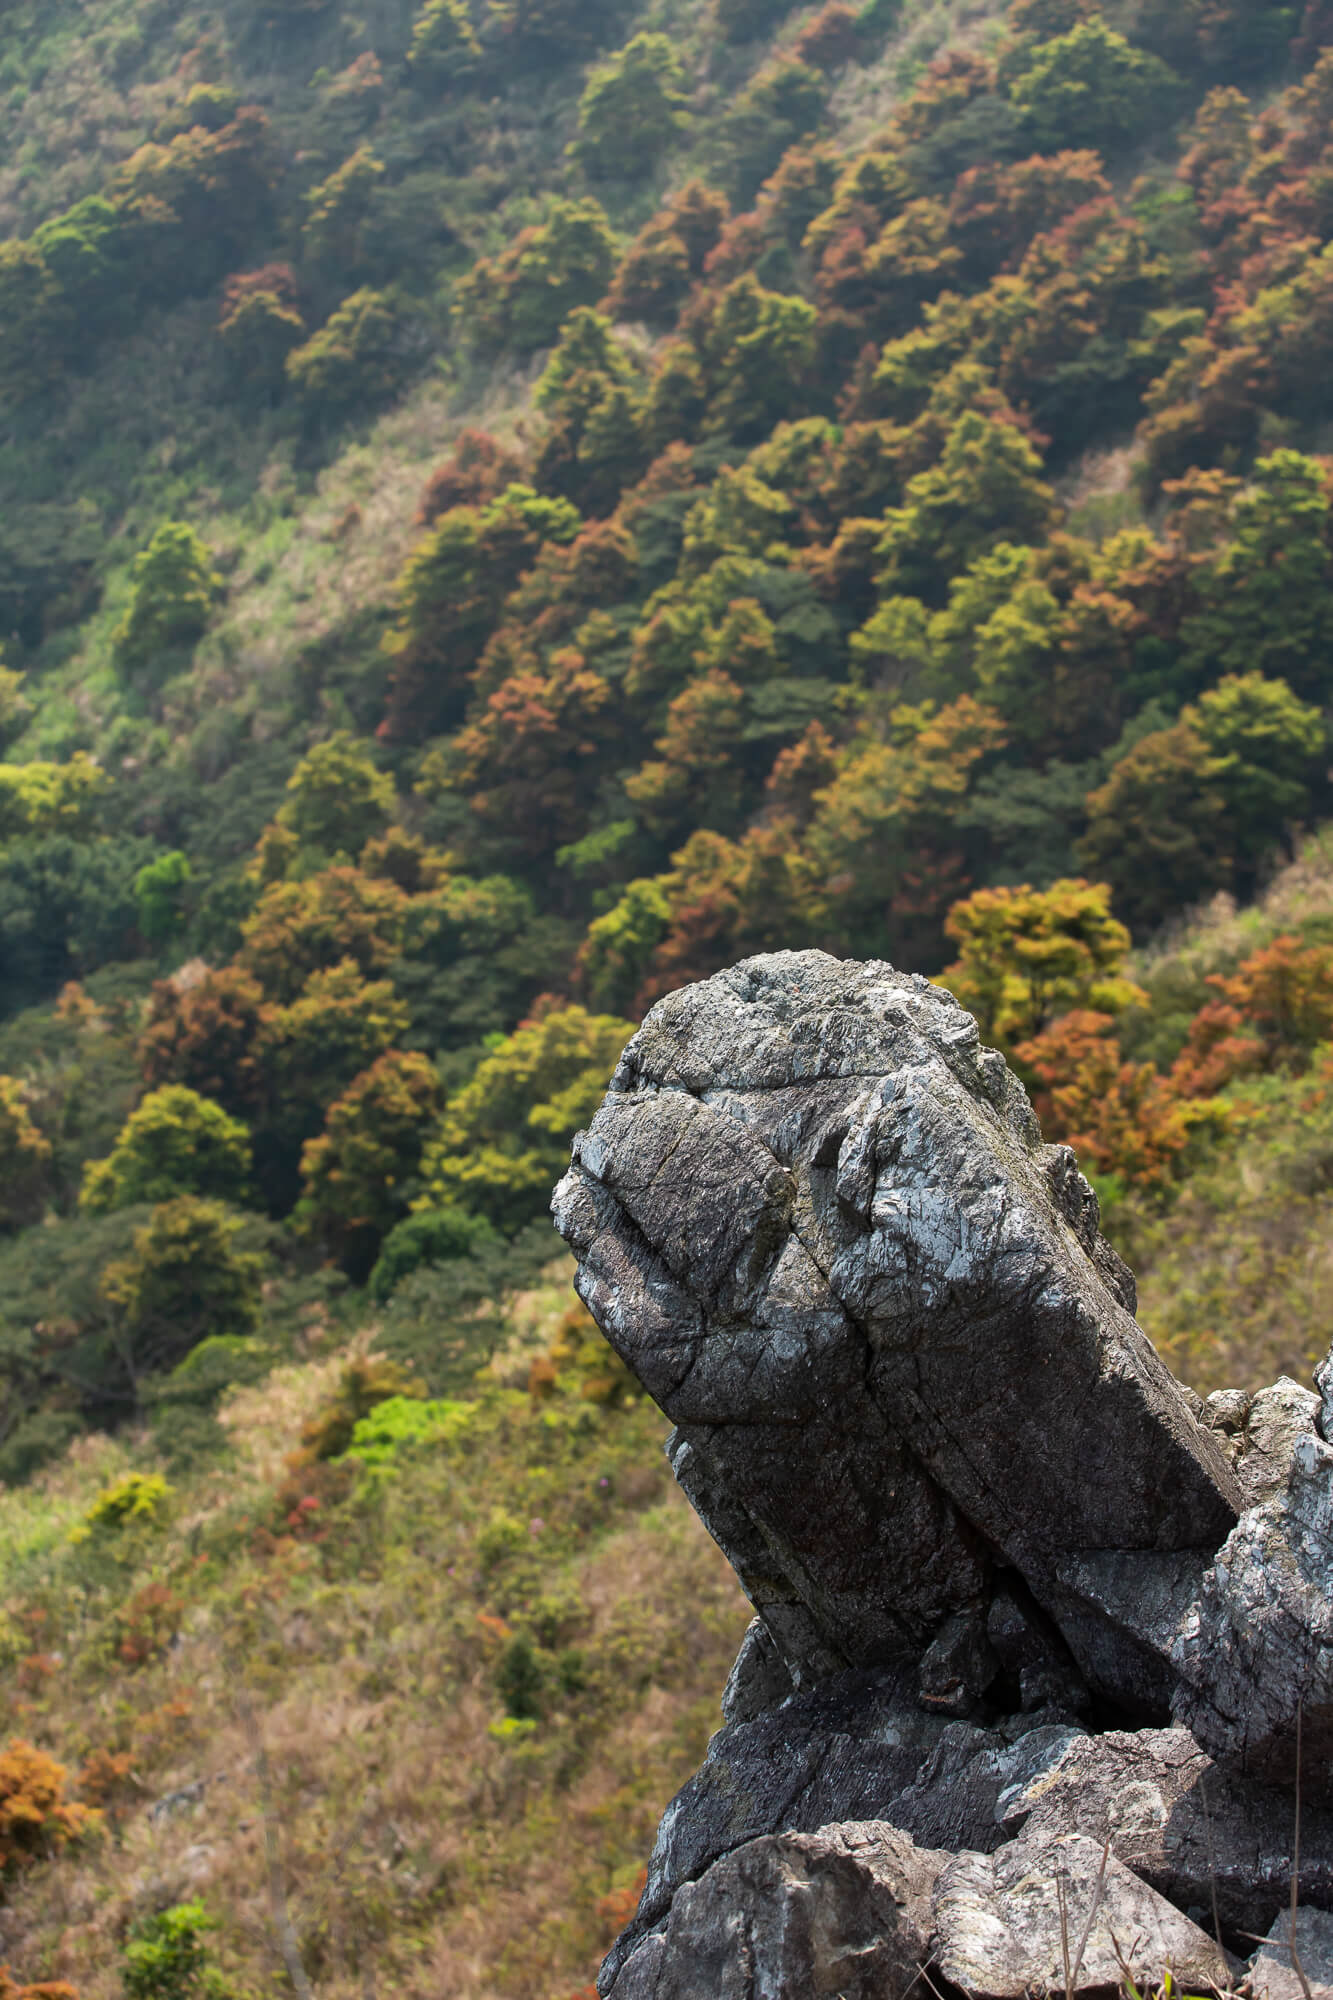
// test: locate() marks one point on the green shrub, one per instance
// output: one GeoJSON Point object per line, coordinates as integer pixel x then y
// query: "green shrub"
{"type": "Point", "coordinates": [356, 357]}
{"type": "Point", "coordinates": [135, 1496]}
{"type": "Point", "coordinates": [175, 1143]}
{"type": "Point", "coordinates": [402, 1421]}
{"type": "Point", "coordinates": [434, 1236]}
{"type": "Point", "coordinates": [174, 592]}
{"type": "Point", "coordinates": [632, 108]}
{"type": "Point", "coordinates": [166, 1958]}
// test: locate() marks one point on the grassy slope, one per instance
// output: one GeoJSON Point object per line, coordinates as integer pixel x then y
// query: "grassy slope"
{"type": "Point", "coordinates": [1236, 1282]}
{"type": "Point", "coordinates": [424, 1845]}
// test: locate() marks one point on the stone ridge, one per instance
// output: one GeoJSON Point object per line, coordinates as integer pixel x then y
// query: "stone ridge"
{"type": "Point", "coordinates": [988, 1536]}
{"type": "Point", "coordinates": [817, 1219]}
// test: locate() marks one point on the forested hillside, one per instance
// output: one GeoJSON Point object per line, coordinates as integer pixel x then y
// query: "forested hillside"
{"type": "Point", "coordinates": [506, 507]}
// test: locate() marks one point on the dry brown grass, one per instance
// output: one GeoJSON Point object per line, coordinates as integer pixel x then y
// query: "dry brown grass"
{"type": "Point", "coordinates": [419, 1847]}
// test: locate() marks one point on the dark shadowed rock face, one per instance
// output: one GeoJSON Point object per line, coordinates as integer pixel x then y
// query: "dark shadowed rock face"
{"type": "Point", "coordinates": [817, 1219]}
{"type": "Point", "coordinates": [981, 1524]}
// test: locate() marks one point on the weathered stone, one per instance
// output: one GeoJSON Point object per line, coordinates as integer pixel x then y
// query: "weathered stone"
{"type": "Point", "coordinates": [760, 1678]}
{"type": "Point", "coordinates": [1056, 1913]}
{"type": "Point", "coordinates": [817, 1220]}
{"type": "Point", "coordinates": [1324, 1379]}
{"type": "Point", "coordinates": [842, 1912]}
{"type": "Point", "coordinates": [841, 1752]}
{"type": "Point", "coordinates": [1276, 1419]}
{"type": "Point", "coordinates": [1273, 1973]}
{"type": "Point", "coordinates": [1189, 1828]}
{"type": "Point", "coordinates": [962, 1794]}
{"type": "Point", "coordinates": [957, 1666]}
{"type": "Point", "coordinates": [1255, 1655]}
{"type": "Point", "coordinates": [858, 1748]}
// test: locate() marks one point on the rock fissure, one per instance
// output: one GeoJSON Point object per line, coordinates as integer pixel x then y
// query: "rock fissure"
{"type": "Point", "coordinates": [981, 1525]}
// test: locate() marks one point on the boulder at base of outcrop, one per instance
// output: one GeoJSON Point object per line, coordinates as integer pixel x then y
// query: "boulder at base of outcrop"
{"type": "Point", "coordinates": [1273, 1973]}
{"type": "Point", "coordinates": [845, 1911]}
{"type": "Point", "coordinates": [1057, 1914]}
{"type": "Point", "coordinates": [1255, 1655]}
{"type": "Point", "coordinates": [1193, 1830]}
{"type": "Point", "coordinates": [857, 1748]}
{"type": "Point", "coordinates": [817, 1220]}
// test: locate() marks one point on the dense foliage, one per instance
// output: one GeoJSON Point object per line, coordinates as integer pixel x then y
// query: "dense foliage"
{"type": "Point", "coordinates": [507, 506]}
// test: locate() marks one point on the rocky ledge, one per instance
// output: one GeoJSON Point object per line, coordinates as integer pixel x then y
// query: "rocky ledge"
{"type": "Point", "coordinates": [1043, 1646]}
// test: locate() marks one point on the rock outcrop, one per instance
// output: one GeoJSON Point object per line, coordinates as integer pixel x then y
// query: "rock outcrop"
{"type": "Point", "coordinates": [986, 1533]}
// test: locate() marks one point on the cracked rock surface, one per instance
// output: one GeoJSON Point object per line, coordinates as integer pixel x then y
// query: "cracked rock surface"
{"type": "Point", "coordinates": [992, 1545]}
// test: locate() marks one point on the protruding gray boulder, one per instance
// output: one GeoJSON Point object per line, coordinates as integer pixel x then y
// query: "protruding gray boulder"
{"type": "Point", "coordinates": [1195, 1831]}
{"type": "Point", "coordinates": [1057, 1914]}
{"type": "Point", "coordinates": [1273, 1971]}
{"type": "Point", "coordinates": [817, 1220]}
{"type": "Point", "coordinates": [1255, 1655]}
{"type": "Point", "coordinates": [981, 1525]}
{"type": "Point", "coordinates": [842, 1912]}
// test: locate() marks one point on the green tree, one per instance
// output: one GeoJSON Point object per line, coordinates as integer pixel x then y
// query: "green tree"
{"type": "Point", "coordinates": [619, 947]}
{"type": "Point", "coordinates": [1030, 954]}
{"type": "Point", "coordinates": [183, 1281]}
{"type": "Point", "coordinates": [546, 31]}
{"type": "Point", "coordinates": [450, 593]}
{"type": "Point", "coordinates": [176, 1142]}
{"type": "Point", "coordinates": [33, 321]}
{"type": "Point", "coordinates": [339, 1026]}
{"type": "Point", "coordinates": [25, 1158]}
{"type": "Point", "coordinates": [758, 353]}
{"type": "Point", "coordinates": [356, 357]}
{"type": "Point", "coordinates": [335, 917]}
{"type": "Point", "coordinates": [358, 1175]}
{"type": "Point", "coordinates": [1269, 747]}
{"type": "Point", "coordinates": [590, 394]}
{"type": "Point", "coordinates": [260, 324]}
{"type": "Point", "coordinates": [504, 1138]}
{"type": "Point", "coordinates": [1091, 87]}
{"type": "Point", "coordinates": [986, 488]}
{"type": "Point", "coordinates": [522, 298]}
{"type": "Point", "coordinates": [337, 799]}
{"type": "Point", "coordinates": [338, 213]}
{"type": "Point", "coordinates": [159, 890]}
{"type": "Point", "coordinates": [780, 106]}
{"type": "Point", "coordinates": [444, 47]}
{"type": "Point", "coordinates": [1155, 828]}
{"type": "Point", "coordinates": [1266, 600]}
{"type": "Point", "coordinates": [745, 20]}
{"type": "Point", "coordinates": [42, 798]}
{"type": "Point", "coordinates": [173, 593]}
{"type": "Point", "coordinates": [631, 109]}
